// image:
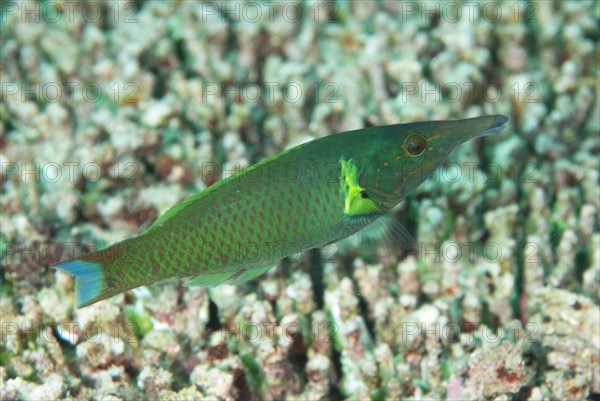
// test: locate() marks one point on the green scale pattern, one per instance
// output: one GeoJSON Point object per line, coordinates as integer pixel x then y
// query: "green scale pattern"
{"type": "Point", "coordinates": [253, 220]}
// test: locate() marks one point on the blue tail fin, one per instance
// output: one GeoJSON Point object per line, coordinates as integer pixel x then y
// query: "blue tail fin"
{"type": "Point", "coordinates": [89, 280]}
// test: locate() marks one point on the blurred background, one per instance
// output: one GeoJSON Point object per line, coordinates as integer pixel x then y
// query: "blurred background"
{"type": "Point", "coordinates": [113, 111]}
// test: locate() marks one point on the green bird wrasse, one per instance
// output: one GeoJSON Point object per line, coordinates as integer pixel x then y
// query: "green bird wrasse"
{"type": "Point", "coordinates": [308, 196]}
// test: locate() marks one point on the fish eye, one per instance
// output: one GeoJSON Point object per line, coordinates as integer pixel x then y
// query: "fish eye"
{"type": "Point", "coordinates": [415, 145]}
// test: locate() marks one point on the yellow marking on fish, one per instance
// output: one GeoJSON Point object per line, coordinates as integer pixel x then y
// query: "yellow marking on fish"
{"type": "Point", "coordinates": [357, 200]}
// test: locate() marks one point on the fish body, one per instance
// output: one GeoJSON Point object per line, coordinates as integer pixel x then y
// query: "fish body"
{"type": "Point", "coordinates": [305, 197]}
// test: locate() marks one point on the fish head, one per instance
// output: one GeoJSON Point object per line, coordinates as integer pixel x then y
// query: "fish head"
{"type": "Point", "coordinates": [410, 153]}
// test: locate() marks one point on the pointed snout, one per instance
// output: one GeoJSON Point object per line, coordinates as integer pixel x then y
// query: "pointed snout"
{"type": "Point", "coordinates": [452, 134]}
{"type": "Point", "coordinates": [479, 126]}
{"type": "Point", "coordinates": [487, 125]}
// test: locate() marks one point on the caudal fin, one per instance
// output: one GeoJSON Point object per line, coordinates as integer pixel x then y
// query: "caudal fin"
{"type": "Point", "coordinates": [89, 280]}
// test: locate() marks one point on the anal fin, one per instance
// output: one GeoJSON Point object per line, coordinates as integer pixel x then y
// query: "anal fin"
{"type": "Point", "coordinates": [210, 279]}
{"type": "Point", "coordinates": [247, 275]}
{"type": "Point", "coordinates": [230, 277]}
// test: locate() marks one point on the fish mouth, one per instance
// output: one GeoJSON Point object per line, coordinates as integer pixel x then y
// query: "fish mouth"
{"type": "Point", "coordinates": [496, 126]}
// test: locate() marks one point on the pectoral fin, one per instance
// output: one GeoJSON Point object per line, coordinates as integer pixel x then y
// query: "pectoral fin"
{"type": "Point", "coordinates": [386, 234]}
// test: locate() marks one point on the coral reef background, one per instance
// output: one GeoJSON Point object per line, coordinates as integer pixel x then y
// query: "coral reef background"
{"type": "Point", "coordinates": [112, 111]}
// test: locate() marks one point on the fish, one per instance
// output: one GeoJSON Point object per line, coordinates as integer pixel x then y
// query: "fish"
{"type": "Point", "coordinates": [308, 196]}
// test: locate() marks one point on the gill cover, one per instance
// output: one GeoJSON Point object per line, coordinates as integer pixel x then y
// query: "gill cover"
{"type": "Point", "coordinates": [357, 201]}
